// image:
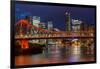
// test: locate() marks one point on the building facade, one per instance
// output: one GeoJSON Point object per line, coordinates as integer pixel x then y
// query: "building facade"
{"type": "Point", "coordinates": [50, 25]}
{"type": "Point", "coordinates": [76, 25]}
{"type": "Point", "coordinates": [68, 23]}
{"type": "Point", "coordinates": [36, 20]}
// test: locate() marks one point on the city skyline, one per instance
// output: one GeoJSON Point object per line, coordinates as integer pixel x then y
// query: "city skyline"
{"type": "Point", "coordinates": [56, 14]}
{"type": "Point", "coordinates": [48, 34]}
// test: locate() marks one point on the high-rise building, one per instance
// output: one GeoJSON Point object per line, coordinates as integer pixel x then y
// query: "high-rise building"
{"type": "Point", "coordinates": [50, 25]}
{"type": "Point", "coordinates": [91, 27]}
{"type": "Point", "coordinates": [36, 20]}
{"type": "Point", "coordinates": [84, 26]}
{"type": "Point", "coordinates": [68, 24]}
{"type": "Point", "coordinates": [42, 25]}
{"type": "Point", "coordinates": [76, 25]}
{"type": "Point", "coordinates": [50, 28]}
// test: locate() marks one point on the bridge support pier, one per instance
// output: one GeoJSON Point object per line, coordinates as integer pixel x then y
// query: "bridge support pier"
{"type": "Point", "coordinates": [24, 44]}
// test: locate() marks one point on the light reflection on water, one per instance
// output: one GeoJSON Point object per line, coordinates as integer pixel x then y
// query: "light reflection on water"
{"type": "Point", "coordinates": [56, 55]}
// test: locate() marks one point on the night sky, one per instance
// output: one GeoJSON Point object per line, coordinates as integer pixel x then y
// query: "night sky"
{"type": "Point", "coordinates": [56, 14]}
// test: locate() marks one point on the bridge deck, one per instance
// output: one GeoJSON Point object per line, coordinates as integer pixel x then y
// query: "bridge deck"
{"type": "Point", "coordinates": [30, 38]}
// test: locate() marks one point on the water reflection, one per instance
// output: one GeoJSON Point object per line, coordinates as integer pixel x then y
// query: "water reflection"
{"type": "Point", "coordinates": [58, 54]}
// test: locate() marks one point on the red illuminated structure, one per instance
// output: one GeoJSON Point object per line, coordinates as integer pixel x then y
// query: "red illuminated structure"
{"type": "Point", "coordinates": [24, 23]}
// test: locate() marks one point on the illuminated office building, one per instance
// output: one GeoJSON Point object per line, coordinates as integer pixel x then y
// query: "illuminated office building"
{"type": "Point", "coordinates": [36, 20]}
{"type": "Point", "coordinates": [84, 26]}
{"type": "Point", "coordinates": [42, 25]}
{"type": "Point", "coordinates": [76, 25]}
{"type": "Point", "coordinates": [68, 24]}
{"type": "Point", "coordinates": [50, 25]}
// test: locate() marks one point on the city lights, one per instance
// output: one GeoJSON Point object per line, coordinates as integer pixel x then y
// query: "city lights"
{"type": "Point", "coordinates": [56, 37]}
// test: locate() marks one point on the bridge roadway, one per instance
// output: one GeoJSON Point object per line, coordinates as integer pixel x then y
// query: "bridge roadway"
{"type": "Point", "coordinates": [55, 37]}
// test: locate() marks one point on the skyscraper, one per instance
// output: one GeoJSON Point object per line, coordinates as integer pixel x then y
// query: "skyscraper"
{"type": "Point", "coordinates": [84, 26]}
{"type": "Point", "coordinates": [50, 28]}
{"type": "Point", "coordinates": [68, 24]}
{"type": "Point", "coordinates": [42, 25]}
{"type": "Point", "coordinates": [36, 20]}
{"type": "Point", "coordinates": [50, 25]}
{"type": "Point", "coordinates": [76, 25]}
{"type": "Point", "coordinates": [91, 27]}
